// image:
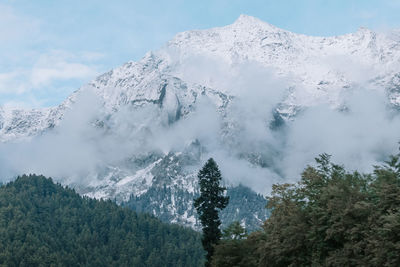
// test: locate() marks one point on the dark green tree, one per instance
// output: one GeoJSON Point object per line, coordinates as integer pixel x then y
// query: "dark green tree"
{"type": "Point", "coordinates": [235, 231]}
{"type": "Point", "coordinates": [45, 224]}
{"type": "Point", "coordinates": [208, 204]}
{"type": "Point", "coordinates": [238, 251]}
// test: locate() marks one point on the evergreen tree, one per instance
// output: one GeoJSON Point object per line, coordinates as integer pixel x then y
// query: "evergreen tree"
{"type": "Point", "coordinates": [44, 224]}
{"type": "Point", "coordinates": [331, 217]}
{"type": "Point", "coordinates": [238, 251]}
{"type": "Point", "coordinates": [208, 204]}
{"type": "Point", "coordinates": [235, 231]}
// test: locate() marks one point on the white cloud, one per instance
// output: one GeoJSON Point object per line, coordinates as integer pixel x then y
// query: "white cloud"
{"type": "Point", "coordinates": [248, 150]}
{"type": "Point", "coordinates": [62, 71]}
{"type": "Point", "coordinates": [29, 71]}
{"type": "Point", "coordinates": [14, 26]}
{"type": "Point", "coordinates": [60, 65]}
{"type": "Point", "coordinates": [46, 73]}
{"type": "Point", "coordinates": [11, 83]}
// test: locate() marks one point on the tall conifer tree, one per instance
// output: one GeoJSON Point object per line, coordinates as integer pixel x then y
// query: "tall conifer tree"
{"type": "Point", "coordinates": [208, 204]}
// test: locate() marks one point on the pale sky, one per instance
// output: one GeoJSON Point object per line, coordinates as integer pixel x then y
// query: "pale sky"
{"type": "Point", "coordinates": [50, 48]}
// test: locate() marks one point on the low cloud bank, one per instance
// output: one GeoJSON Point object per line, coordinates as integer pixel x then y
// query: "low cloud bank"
{"type": "Point", "coordinates": [241, 139]}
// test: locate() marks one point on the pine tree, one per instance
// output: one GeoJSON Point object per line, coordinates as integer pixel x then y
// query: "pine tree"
{"type": "Point", "coordinates": [235, 231]}
{"type": "Point", "coordinates": [208, 204]}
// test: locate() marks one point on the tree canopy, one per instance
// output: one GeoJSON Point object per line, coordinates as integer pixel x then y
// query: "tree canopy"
{"type": "Point", "coordinates": [44, 224]}
{"type": "Point", "coordinates": [208, 204]}
{"type": "Point", "coordinates": [331, 217]}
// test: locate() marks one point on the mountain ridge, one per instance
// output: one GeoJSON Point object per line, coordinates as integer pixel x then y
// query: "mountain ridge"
{"type": "Point", "coordinates": [230, 92]}
{"type": "Point", "coordinates": [247, 26]}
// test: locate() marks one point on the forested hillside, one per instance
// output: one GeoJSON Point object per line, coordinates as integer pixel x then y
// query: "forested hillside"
{"type": "Point", "coordinates": [331, 217]}
{"type": "Point", "coordinates": [44, 224]}
{"type": "Point", "coordinates": [244, 205]}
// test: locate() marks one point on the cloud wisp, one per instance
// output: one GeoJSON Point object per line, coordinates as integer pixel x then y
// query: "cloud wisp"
{"type": "Point", "coordinates": [51, 74]}
{"type": "Point", "coordinates": [242, 137]}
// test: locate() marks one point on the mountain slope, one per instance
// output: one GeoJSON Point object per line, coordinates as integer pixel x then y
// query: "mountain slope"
{"type": "Point", "coordinates": [260, 100]}
{"type": "Point", "coordinates": [306, 58]}
{"type": "Point", "coordinates": [42, 223]}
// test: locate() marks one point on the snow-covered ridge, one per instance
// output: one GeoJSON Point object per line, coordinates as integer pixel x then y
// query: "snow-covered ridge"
{"type": "Point", "coordinates": [318, 67]}
{"type": "Point", "coordinates": [136, 109]}
{"type": "Point", "coordinates": [251, 39]}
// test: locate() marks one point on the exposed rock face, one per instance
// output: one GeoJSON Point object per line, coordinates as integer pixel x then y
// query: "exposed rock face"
{"type": "Point", "coordinates": [143, 103]}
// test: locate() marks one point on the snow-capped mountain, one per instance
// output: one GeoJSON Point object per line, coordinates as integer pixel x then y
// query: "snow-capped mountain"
{"type": "Point", "coordinates": [223, 92]}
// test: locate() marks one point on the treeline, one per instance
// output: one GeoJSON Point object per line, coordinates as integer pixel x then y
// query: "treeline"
{"type": "Point", "coordinates": [331, 217]}
{"type": "Point", "coordinates": [44, 224]}
{"type": "Point", "coordinates": [244, 205]}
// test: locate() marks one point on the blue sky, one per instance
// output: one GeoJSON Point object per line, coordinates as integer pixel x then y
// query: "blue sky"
{"type": "Point", "coordinates": [50, 48]}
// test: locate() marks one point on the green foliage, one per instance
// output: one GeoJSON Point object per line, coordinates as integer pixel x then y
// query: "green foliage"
{"type": "Point", "coordinates": [238, 252]}
{"type": "Point", "coordinates": [235, 248]}
{"type": "Point", "coordinates": [234, 231]}
{"type": "Point", "coordinates": [44, 224]}
{"type": "Point", "coordinates": [244, 205]}
{"type": "Point", "coordinates": [330, 218]}
{"type": "Point", "coordinates": [168, 203]}
{"type": "Point", "coordinates": [208, 204]}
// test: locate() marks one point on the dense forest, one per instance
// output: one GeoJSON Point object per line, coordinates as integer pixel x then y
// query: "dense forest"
{"type": "Point", "coordinates": [44, 224]}
{"type": "Point", "coordinates": [331, 217]}
{"type": "Point", "coordinates": [244, 205]}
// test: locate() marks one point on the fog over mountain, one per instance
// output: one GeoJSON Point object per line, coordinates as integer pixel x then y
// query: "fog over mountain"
{"type": "Point", "coordinates": [261, 100]}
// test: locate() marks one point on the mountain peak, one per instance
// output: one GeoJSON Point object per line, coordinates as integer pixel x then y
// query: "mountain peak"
{"type": "Point", "coordinates": [246, 20]}
{"type": "Point", "coordinates": [245, 77]}
{"type": "Point", "coordinates": [243, 18]}
{"type": "Point", "coordinates": [364, 30]}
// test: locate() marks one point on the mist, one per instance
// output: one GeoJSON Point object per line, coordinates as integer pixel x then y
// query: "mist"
{"type": "Point", "coordinates": [241, 138]}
